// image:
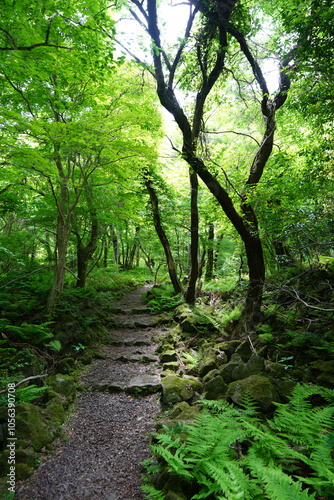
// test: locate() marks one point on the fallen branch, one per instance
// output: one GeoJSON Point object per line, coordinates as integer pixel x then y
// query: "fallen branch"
{"type": "Point", "coordinates": [34, 377]}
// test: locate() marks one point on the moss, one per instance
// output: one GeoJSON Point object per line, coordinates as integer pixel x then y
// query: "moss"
{"type": "Point", "coordinates": [168, 356]}
{"type": "Point", "coordinates": [176, 388]}
{"type": "Point", "coordinates": [258, 387]}
{"type": "Point", "coordinates": [32, 426]}
{"type": "Point", "coordinates": [63, 384]}
{"type": "Point", "coordinates": [215, 388]}
{"type": "Point", "coordinates": [55, 410]}
{"type": "Point", "coordinates": [66, 365]}
{"type": "Point", "coordinates": [208, 362]}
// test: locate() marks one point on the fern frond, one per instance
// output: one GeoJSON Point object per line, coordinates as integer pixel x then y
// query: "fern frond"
{"type": "Point", "coordinates": [280, 486]}
{"type": "Point", "coordinates": [152, 493]}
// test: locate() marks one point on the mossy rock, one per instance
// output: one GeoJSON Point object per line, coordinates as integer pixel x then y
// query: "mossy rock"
{"type": "Point", "coordinates": [284, 388]}
{"type": "Point", "coordinates": [23, 471]}
{"type": "Point", "coordinates": [181, 312]}
{"type": "Point", "coordinates": [208, 362]}
{"type": "Point", "coordinates": [22, 456]}
{"type": "Point", "coordinates": [229, 347]}
{"type": "Point", "coordinates": [227, 370]}
{"type": "Point", "coordinates": [66, 365]}
{"type": "Point", "coordinates": [275, 370]}
{"type": "Point", "coordinates": [168, 356]}
{"type": "Point", "coordinates": [173, 366]}
{"type": "Point", "coordinates": [244, 350]}
{"type": "Point", "coordinates": [55, 410]}
{"type": "Point", "coordinates": [33, 426]}
{"type": "Point", "coordinates": [216, 388]}
{"type": "Point", "coordinates": [171, 495]}
{"type": "Point", "coordinates": [258, 387]}
{"type": "Point", "coordinates": [322, 372]}
{"type": "Point", "coordinates": [176, 388]}
{"type": "Point", "coordinates": [63, 384]}
{"type": "Point", "coordinates": [167, 372]}
{"type": "Point", "coordinates": [183, 411]}
{"type": "Point", "coordinates": [212, 374]}
{"type": "Point", "coordinates": [254, 366]}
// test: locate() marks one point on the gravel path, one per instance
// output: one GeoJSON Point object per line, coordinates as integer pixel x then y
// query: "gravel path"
{"type": "Point", "coordinates": [107, 436]}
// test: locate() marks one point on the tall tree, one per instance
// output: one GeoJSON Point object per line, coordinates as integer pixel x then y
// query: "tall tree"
{"type": "Point", "coordinates": [219, 30]}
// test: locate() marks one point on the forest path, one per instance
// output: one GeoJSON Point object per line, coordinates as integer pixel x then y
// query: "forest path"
{"type": "Point", "coordinates": [107, 436]}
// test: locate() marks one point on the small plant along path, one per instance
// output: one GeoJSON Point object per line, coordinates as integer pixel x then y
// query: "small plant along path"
{"type": "Point", "coordinates": [107, 436]}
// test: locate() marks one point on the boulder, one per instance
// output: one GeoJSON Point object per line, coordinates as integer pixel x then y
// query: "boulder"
{"type": "Point", "coordinates": [173, 365]}
{"type": "Point", "coordinates": [66, 365]}
{"type": "Point", "coordinates": [208, 362]}
{"type": "Point", "coordinates": [63, 384]}
{"type": "Point", "coordinates": [227, 370]}
{"type": "Point", "coordinates": [284, 388]}
{"type": "Point", "coordinates": [254, 366]}
{"type": "Point", "coordinates": [168, 356]}
{"type": "Point", "coordinates": [258, 387]}
{"type": "Point", "coordinates": [32, 425]}
{"type": "Point", "coordinates": [322, 372]}
{"type": "Point", "coordinates": [275, 370]}
{"type": "Point", "coordinates": [183, 411]}
{"type": "Point", "coordinates": [244, 350]}
{"type": "Point", "coordinates": [216, 388]}
{"type": "Point", "coordinates": [55, 410]}
{"type": "Point", "coordinates": [176, 388]}
{"type": "Point", "coordinates": [229, 347]}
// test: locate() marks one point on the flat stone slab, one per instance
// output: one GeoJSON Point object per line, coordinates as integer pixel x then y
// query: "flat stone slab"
{"type": "Point", "coordinates": [143, 384]}
{"type": "Point", "coordinates": [107, 387]}
{"type": "Point", "coordinates": [137, 358]}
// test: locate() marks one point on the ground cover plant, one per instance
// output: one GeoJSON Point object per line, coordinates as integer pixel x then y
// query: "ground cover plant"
{"type": "Point", "coordinates": [234, 453]}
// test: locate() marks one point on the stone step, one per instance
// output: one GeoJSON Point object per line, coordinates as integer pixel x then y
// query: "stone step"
{"type": "Point", "coordinates": [138, 385]}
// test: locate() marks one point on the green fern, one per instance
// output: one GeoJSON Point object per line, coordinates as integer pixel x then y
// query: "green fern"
{"type": "Point", "coordinates": [231, 453]}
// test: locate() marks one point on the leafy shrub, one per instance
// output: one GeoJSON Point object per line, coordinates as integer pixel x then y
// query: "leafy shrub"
{"type": "Point", "coordinates": [231, 453]}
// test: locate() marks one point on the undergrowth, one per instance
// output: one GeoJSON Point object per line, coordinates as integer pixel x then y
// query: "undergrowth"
{"type": "Point", "coordinates": [235, 454]}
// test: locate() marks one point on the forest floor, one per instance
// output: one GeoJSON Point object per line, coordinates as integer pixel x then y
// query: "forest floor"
{"type": "Point", "coordinates": [107, 435]}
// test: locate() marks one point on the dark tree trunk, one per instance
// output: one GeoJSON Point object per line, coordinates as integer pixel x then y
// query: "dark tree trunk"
{"type": "Point", "coordinates": [132, 252]}
{"type": "Point", "coordinates": [210, 259]}
{"type": "Point", "coordinates": [219, 16]}
{"type": "Point", "coordinates": [190, 295]}
{"type": "Point", "coordinates": [85, 253]}
{"type": "Point", "coordinates": [115, 244]}
{"type": "Point", "coordinates": [161, 234]}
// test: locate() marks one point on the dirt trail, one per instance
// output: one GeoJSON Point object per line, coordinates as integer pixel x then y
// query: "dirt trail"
{"type": "Point", "coordinates": [107, 434]}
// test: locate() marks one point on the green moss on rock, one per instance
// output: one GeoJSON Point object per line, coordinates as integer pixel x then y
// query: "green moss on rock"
{"type": "Point", "coordinates": [63, 384]}
{"type": "Point", "coordinates": [258, 387]}
{"type": "Point", "coordinates": [31, 425]}
{"type": "Point", "coordinates": [176, 388]}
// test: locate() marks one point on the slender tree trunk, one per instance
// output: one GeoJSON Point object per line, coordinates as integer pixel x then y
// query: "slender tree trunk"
{"type": "Point", "coordinates": [62, 237]}
{"type": "Point", "coordinates": [115, 244]}
{"type": "Point", "coordinates": [210, 259]}
{"type": "Point", "coordinates": [85, 253]}
{"type": "Point", "coordinates": [161, 233]}
{"type": "Point", "coordinates": [190, 295]}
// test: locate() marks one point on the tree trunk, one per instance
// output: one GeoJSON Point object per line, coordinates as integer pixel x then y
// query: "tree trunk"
{"type": "Point", "coordinates": [85, 253]}
{"type": "Point", "coordinates": [62, 237]}
{"type": "Point", "coordinates": [190, 295]}
{"type": "Point", "coordinates": [115, 245]}
{"type": "Point", "coordinates": [210, 260]}
{"type": "Point", "coordinates": [161, 234]}
{"type": "Point", "coordinates": [208, 75]}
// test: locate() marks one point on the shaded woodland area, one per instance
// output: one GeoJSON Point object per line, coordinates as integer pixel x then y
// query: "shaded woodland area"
{"type": "Point", "coordinates": [187, 145]}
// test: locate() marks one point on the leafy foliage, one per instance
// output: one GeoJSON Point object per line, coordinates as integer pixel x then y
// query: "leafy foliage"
{"type": "Point", "coordinates": [231, 453]}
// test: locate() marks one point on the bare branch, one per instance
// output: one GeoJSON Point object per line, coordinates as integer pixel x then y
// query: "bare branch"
{"type": "Point", "coordinates": [34, 377]}
{"type": "Point", "coordinates": [21, 277]}
{"type": "Point", "coordinates": [234, 132]}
